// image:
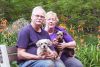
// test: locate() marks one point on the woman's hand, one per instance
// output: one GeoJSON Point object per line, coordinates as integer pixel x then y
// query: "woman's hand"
{"type": "Point", "coordinates": [61, 46]}
{"type": "Point", "coordinates": [55, 42]}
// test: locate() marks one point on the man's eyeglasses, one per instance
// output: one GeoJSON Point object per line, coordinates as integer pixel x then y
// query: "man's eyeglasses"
{"type": "Point", "coordinates": [39, 16]}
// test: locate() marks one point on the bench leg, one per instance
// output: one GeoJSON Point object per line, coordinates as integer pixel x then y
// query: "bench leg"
{"type": "Point", "coordinates": [5, 62]}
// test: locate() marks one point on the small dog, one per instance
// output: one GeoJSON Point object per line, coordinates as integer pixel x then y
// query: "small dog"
{"type": "Point", "coordinates": [43, 46]}
{"type": "Point", "coordinates": [60, 37]}
{"type": "Point", "coordinates": [68, 51]}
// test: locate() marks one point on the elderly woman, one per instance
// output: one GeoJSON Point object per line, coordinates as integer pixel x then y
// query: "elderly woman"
{"type": "Point", "coordinates": [52, 28]}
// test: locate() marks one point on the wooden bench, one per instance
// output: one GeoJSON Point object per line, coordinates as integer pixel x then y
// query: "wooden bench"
{"type": "Point", "coordinates": [7, 55]}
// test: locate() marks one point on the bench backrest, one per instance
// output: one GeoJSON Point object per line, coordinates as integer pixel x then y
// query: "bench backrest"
{"type": "Point", "coordinates": [7, 55]}
{"type": "Point", "coordinates": [12, 53]}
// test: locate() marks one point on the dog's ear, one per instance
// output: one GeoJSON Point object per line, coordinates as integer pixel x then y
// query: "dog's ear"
{"type": "Point", "coordinates": [38, 43]}
{"type": "Point", "coordinates": [49, 42]}
{"type": "Point", "coordinates": [60, 33]}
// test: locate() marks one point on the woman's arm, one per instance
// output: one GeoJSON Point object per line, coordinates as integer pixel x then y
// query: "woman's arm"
{"type": "Point", "coordinates": [71, 44]}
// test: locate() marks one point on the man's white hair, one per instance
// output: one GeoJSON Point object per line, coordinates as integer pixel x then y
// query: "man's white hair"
{"type": "Point", "coordinates": [51, 13]}
{"type": "Point", "coordinates": [38, 8]}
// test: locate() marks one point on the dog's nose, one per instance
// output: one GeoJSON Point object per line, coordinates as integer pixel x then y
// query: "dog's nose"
{"type": "Point", "coordinates": [44, 47]}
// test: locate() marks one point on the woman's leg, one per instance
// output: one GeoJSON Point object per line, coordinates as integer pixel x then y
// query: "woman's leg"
{"type": "Point", "coordinates": [38, 63]}
{"type": "Point", "coordinates": [59, 63]}
{"type": "Point", "coordinates": [73, 62]}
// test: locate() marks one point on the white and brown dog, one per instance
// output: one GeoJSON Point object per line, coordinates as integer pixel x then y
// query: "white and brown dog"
{"type": "Point", "coordinates": [43, 46]}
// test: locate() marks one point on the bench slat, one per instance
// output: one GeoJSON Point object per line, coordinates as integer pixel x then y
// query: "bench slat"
{"type": "Point", "coordinates": [8, 54]}
{"type": "Point", "coordinates": [11, 49]}
{"type": "Point", "coordinates": [12, 53]}
{"type": "Point", "coordinates": [1, 59]}
{"type": "Point", "coordinates": [12, 57]}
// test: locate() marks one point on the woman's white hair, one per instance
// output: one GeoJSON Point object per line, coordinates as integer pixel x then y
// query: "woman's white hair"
{"type": "Point", "coordinates": [48, 15]}
{"type": "Point", "coordinates": [38, 8]}
{"type": "Point", "coordinates": [51, 13]}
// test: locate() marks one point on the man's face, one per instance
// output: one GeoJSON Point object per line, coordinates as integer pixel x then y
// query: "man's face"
{"type": "Point", "coordinates": [51, 21]}
{"type": "Point", "coordinates": [38, 17]}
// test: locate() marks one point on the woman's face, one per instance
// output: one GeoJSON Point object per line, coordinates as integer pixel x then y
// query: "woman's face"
{"type": "Point", "coordinates": [51, 21]}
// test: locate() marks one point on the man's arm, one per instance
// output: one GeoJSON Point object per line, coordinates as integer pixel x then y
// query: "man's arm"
{"type": "Point", "coordinates": [22, 54]}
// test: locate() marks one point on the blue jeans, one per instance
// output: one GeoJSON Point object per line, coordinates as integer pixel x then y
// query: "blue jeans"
{"type": "Point", "coordinates": [42, 63]}
{"type": "Point", "coordinates": [72, 62]}
{"type": "Point", "coordinates": [59, 63]}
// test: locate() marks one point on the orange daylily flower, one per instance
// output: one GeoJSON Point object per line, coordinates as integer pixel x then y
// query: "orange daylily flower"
{"type": "Point", "coordinates": [62, 25]}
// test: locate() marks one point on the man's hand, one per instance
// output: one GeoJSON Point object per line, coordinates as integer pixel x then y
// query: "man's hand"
{"type": "Point", "coordinates": [52, 55]}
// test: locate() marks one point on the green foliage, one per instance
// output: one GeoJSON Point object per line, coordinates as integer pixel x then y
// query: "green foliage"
{"type": "Point", "coordinates": [88, 10]}
{"type": "Point", "coordinates": [88, 49]}
{"type": "Point", "coordinates": [8, 38]}
{"type": "Point", "coordinates": [89, 55]}
{"type": "Point", "coordinates": [14, 64]}
{"type": "Point", "coordinates": [91, 40]}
